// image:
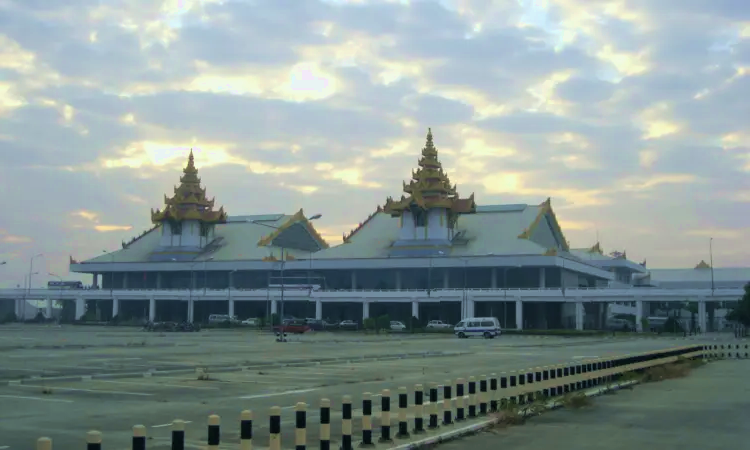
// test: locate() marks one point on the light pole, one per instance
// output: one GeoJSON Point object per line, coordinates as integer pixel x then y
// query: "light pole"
{"type": "Point", "coordinates": [31, 268]}
{"type": "Point", "coordinates": [229, 287]}
{"type": "Point", "coordinates": [190, 312]}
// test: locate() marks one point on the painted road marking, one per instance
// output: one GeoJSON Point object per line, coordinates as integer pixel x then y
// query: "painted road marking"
{"type": "Point", "coordinates": [585, 357]}
{"type": "Point", "coordinates": [276, 394]}
{"type": "Point", "coordinates": [55, 400]}
{"type": "Point", "coordinates": [95, 391]}
{"type": "Point", "coordinates": [159, 385]}
{"type": "Point", "coordinates": [168, 424]}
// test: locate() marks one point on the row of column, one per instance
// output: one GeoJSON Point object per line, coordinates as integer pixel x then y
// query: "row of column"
{"type": "Point", "coordinates": [467, 311]}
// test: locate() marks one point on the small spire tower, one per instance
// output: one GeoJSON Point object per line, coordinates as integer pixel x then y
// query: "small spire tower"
{"type": "Point", "coordinates": [188, 218]}
{"type": "Point", "coordinates": [431, 209]}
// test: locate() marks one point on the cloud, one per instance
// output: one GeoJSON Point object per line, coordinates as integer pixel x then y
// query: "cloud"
{"type": "Point", "coordinates": [631, 114]}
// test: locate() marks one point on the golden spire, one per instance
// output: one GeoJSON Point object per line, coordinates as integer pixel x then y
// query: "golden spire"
{"type": "Point", "coordinates": [189, 200]}
{"type": "Point", "coordinates": [430, 186]}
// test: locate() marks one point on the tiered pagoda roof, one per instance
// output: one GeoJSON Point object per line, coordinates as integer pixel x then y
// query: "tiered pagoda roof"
{"type": "Point", "coordinates": [430, 187]}
{"type": "Point", "coordinates": [189, 201]}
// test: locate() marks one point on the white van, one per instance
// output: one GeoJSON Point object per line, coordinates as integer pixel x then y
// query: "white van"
{"type": "Point", "coordinates": [486, 327]}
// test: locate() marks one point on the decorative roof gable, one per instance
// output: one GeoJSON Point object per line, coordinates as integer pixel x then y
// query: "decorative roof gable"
{"type": "Point", "coordinates": [545, 211]}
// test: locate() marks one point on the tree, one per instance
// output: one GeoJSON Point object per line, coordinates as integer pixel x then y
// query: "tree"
{"type": "Point", "coordinates": [741, 312]}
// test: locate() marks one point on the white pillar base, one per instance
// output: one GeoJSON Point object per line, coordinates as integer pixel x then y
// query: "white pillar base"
{"type": "Point", "coordinates": [579, 315]}
{"type": "Point", "coordinates": [231, 308]}
{"type": "Point", "coordinates": [519, 315]}
{"type": "Point", "coordinates": [80, 308]}
{"type": "Point", "coordinates": [115, 307]}
{"type": "Point", "coordinates": [151, 309]}
{"type": "Point", "coordinates": [48, 312]}
{"type": "Point", "coordinates": [318, 310]}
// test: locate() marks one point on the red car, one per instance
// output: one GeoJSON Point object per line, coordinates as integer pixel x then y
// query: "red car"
{"type": "Point", "coordinates": [292, 326]}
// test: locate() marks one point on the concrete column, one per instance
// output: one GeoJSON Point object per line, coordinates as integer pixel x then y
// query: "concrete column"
{"type": "Point", "coordinates": [469, 307]}
{"type": "Point", "coordinates": [446, 279]}
{"type": "Point", "coordinates": [542, 278]}
{"type": "Point", "coordinates": [354, 280]}
{"type": "Point", "coordinates": [95, 281]}
{"type": "Point", "coordinates": [580, 314]}
{"type": "Point", "coordinates": [519, 314]}
{"type": "Point", "coordinates": [230, 309]}
{"type": "Point", "coordinates": [398, 280]}
{"type": "Point", "coordinates": [415, 309]}
{"type": "Point", "coordinates": [191, 310]}
{"type": "Point", "coordinates": [115, 307]}
{"type": "Point", "coordinates": [48, 312]}
{"type": "Point", "coordinates": [274, 307]}
{"type": "Point", "coordinates": [702, 315]}
{"type": "Point", "coordinates": [18, 308]}
{"type": "Point", "coordinates": [80, 308]}
{"type": "Point", "coordinates": [365, 310]}
{"type": "Point", "coordinates": [124, 280]}
{"type": "Point", "coordinates": [493, 278]}
{"type": "Point", "coordinates": [158, 280]}
{"type": "Point", "coordinates": [319, 309]}
{"type": "Point", "coordinates": [639, 316]}
{"type": "Point", "coordinates": [151, 309]}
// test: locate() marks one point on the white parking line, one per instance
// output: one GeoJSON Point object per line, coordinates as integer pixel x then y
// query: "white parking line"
{"type": "Point", "coordinates": [276, 394]}
{"type": "Point", "coordinates": [3, 447]}
{"type": "Point", "coordinates": [55, 400]}
{"type": "Point", "coordinates": [94, 391]}
{"type": "Point", "coordinates": [167, 424]}
{"type": "Point", "coordinates": [160, 385]}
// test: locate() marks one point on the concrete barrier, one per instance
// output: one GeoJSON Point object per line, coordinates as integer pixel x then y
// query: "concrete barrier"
{"type": "Point", "coordinates": [485, 395]}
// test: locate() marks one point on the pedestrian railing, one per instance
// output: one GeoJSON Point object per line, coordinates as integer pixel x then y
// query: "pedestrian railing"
{"type": "Point", "coordinates": [474, 398]}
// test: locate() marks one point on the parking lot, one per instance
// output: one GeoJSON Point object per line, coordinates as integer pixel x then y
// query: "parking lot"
{"type": "Point", "coordinates": [62, 382]}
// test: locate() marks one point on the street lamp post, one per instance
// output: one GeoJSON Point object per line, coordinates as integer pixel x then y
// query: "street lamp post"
{"type": "Point", "coordinates": [229, 287]}
{"type": "Point", "coordinates": [31, 268]}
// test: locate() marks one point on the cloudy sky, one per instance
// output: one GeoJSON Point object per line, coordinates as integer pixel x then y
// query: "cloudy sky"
{"type": "Point", "coordinates": [632, 115]}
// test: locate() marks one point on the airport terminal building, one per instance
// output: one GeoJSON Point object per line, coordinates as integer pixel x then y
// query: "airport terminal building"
{"type": "Point", "coordinates": [431, 253]}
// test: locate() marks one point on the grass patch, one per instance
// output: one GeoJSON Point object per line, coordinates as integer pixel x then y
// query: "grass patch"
{"type": "Point", "coordinates": [46, 390]}
{"type": "Point", "coordinates": [202, 374]}
{"type": "Point", "coordinates": [577, 400]}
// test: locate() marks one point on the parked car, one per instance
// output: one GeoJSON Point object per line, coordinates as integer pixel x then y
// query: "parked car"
{"type": "Point", "coordinates": [397, 326]}
{"type": "Point", "coordinates": [315, 324]}
{"type": "Point", "coordinates": [348, 325]}
{"type": "Point", "coordinates": [486, 327]}
{"type": "Point", "coordinates": [437, 324]}
{"type": "Point", "coordinates": [222, 318]}
{"type": "Point", "coordinates": [251, 322]}
{"type": "Point", "coordinates": [328, 325]}
{"type": "Point", "coordinates": [292, 326]}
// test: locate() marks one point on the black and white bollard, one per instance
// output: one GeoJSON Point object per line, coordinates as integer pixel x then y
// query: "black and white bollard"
{"type": "Point", "coordinates": [139, 437]}
{"type": "Point", "coordinates": [418, 409]}
{"type": "Point", "coordinates": [274, 429]}
{"type": "Point", "coordinates": [246, 430]}
{"type": "Point", "coordinates": [433, 422]}
{"type": "Point", "coordinates": [483, 395]}
{"type": "Point", "coordinates": [346, 423]}
{"type": "Point", "coordinates": [93, 440]}
{"type": "Point", "coordinates": [366, 420]}
{"type": "Point", "coordinates": [447, 399]}
{"type": "Point", "coordinates": [493, 392]}
{"type": "Point", "coordinates": [300, 426]}
{"type": "Point", "coordinates": [214, 432]}
{"type": "Point", "coordinates": [385, 416]}
{"type": "Point", "coordinates": [325, 424]}
{"type": "Point", "coordinates": [178, 435]}
{"type": "Point", "coordinates": [472, 397]}
{"type": "Point", "coordinates": [403, 407]}
{"type": "Point", "coordinates": [460, 415]}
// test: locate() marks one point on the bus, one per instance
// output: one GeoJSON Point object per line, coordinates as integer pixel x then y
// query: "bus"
{"type": "Point", "coordinates": [64, 285]}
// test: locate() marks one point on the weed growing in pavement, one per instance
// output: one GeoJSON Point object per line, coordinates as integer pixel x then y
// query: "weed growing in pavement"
{"type": "Point", "coordinates": [46, 390]}
{"type": "Point", "coordinates": [203, 374]}
{"type": "Point", "coordinates": [577, 400]}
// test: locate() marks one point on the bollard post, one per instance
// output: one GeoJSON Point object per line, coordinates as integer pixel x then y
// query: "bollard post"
{"type": "Point", "coordinates": [403, 406]}
{"type": "Point", "coordinates": [433, 423]}
{"type": "Point", "coordinates": [346, 423]}
{"type": "Point", "coordinates": [418, 409]}
{"type": "Point", "coordinates": [178, 435]}
{"type": "Point", "coordinates": [385, 416]}
{"type": "Point", "coordinates": [274, 429]}
{"type": "Point", "coordinates": [325, 424]}
{"type": "Point", "coordinates": [472, 397]}
{"type": "Point", "coordinates": [493, 392]}
{"type": "Point", "coordinates": [300, 426]}
{"type": "Point", "coordinates": [460, 400]}
{"type": "Point", "coordinates": [93, 440]}
{"type": "Point", "coordinates": [139, 437]}
{"type": "Point", "coordinates": [44, 443]}
{"type": "Point", "coordinates": [366, 420]}
{"type": "Point", "coordinates": [483, 395]}
{"type": "Point", "coordinates": [447, 408]}
{"type": "Point", "coordinates": [214, 432]}
{"type": "Point", "coordinates": [246, 430]}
